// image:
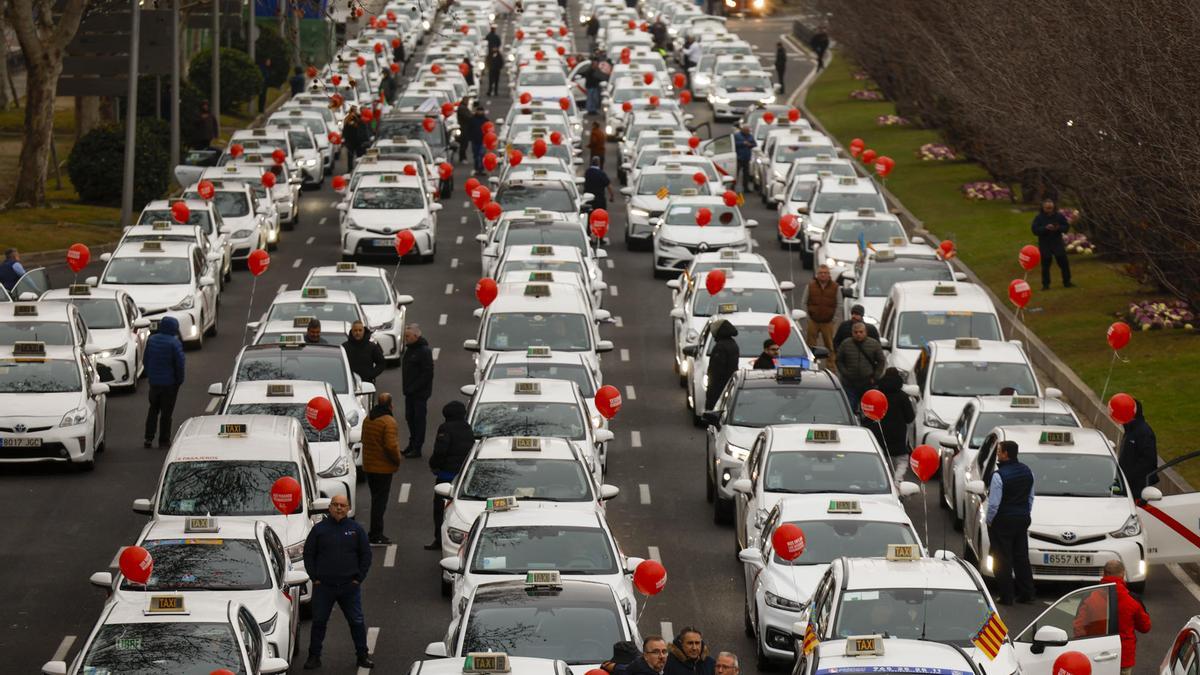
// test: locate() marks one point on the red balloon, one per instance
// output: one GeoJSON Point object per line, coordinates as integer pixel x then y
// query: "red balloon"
{"type": "Point", "coordinates": [428, 124]}
{"type": "Point", "coordinates": [598, 221]}
{"type": "Point", "coordinates": [445, 170]}
{"type": "Point", "coordinates": [730, 198]}
{"type": "Point", "coordinates": [258, 261]}
{"type": "Point", "coordinates": [788, 541]}
{"type": "Point", "coordinates": [482, 196]}
{"type": "Point", "coordinates": [525, 98]}
{"type": "Point", "coordinates": [685, 97]}
{"type": "Point", "coordinates": [769, 117]}
{"type": "Point", "coordinates": [1118, 335]}
{"type": "Point", "coordinates": [336, 101]}
{"type": "Point", "coordinates": [279, 155]}
{"type": "Point", "coordinates": [608, 401]}
{"type": "Point", "coordinates": [436, 69]}
{"type": "Point", "coordinates": [391, 16]}
{"type": "Point", "coordinates": [789, 226]}
{"type": "Point", "coordinates": [632, 25]}
{"type": "Point", "coordinates": [360, 61]}
{"type": "Point", "coordinates": [858, 143]}
{"type": "Point", "coordinates": [561, 50]}
{"type": "Point", "coordinates": [793, 115]}
{"type": "Point", "coordinates": [648, 78]}
{"type": "Point", "coordinates": [874, 404]}
{"type": "Point", "coordinates": [395, 43]}
{"type": "Point", "coordinates": [653, 101]}
{"type": "Point", "coordinates": [562, 30]}
{"type": "Point", "coordinates": [515, 156]}
{"type": "Point", "coordinates": [206, 189]}
{"type": "Point", "coordinates": [1072, 663]}
{"type": "Point", "coordinates": [1019, 292]}
{"type": "Point", "coordinates": [268, 179]}
{"type": "Point", "coordinates": [395, 68]}
{"type": "Point", "coordinates": [311, 72]}
{"type": "Point", "coordinates": [318, 412]}
{"type": "Point", "coordinates": [490, 161]}
{"type": "Point", "coordinates": [884, 166]}
{"type": "Point", "coordinates": [489, 140]}
{"type": "Point", "coordinates": [367, 114]}
{"type": "Point", "coordinates": [471, 184]}
{"type": "Point", "coordinates": [650, 577]}
{"type": "Point", "coordinates": [694, 142]}
{"type": "Point", "coordinates": [1029, 257]}
{"type": "Point", "coordinates": [486, 291]}
{"type": "Point", "coordinates": [947, 249]}
{"type": "Point", "coordinates": [136, 564]}
{"type": "Point", "coordinates": [181, 213]}
{"type": "Point", "coordinates": [335, 79]}
{"type": "Point", "coordinates": [464, 69]}
{"type": "Point", "coordinates": [378, 47]}
{"type": "Point", "coordinates": [714, 281]}
{"type": "Point", "coordinates": [410, 170]}
{"type": "Point", "coordinates": [335, 138]}
{"type": "Point", "coordinates": [447, 109]}
{"type": "Point", "coordinates": [539, 148]}
{"type": "Point", "coordinates": [679, 80]}
{"type": "Point", "coordinates": [627, 106]}
{"type": "Point", "coordinates": [285, 494]}
{"type": "Point", "coordinates": [1122, 408]}
{"type": "Point", "coordinates": [556, 137]}
{"type": "Point", "coordinates": [625, 57]}
{"type": "Point", "coordinates": [868, 156]}
{"type": "Point", "coordinates": [78, 256]}
{"type": "Point", "coordinates": [571, 62]}
{"type": "Point", "coordinates": [924, 461]}
{"type": "Point", "coordinates": [855, 150]}
{"type": "Point", "coordinates": [464, 29]}
{"type": "Point", "coordinates": [564, 103]}
{"type": "Point", "coordinates": [488, 127]}
{"type": "Point", "coordinates": [704, 215]}
{"type": "Point", "coordinates": [539, 55]}
{"type": "Point", "coordinates": [339, 183]}
{"type": "Point", "coordinates": [520, 34]}
{"type": "Point", "coordinates": [404, 242]}
{"type": "Point", "coordinates": [492, 211]}
{"type": "Point", "coordinates": [780, 329]}
{"type": "Point", "coordinates": [699, 178]}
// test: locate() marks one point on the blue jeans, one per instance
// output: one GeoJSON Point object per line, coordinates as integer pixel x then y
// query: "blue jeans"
{"type": "Point", "coordinates": [593, 100]}
{"type": "Point", "coordinates": [477, 153]}
{"type": "Point", "coordinates": [348, 596]}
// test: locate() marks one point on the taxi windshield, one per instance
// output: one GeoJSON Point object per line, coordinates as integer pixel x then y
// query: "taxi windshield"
{"type": "Point", "coordinates": [578, 631]}
{"type": "Point", "coordinates": [368, 290]}
{"type": "Point", "coordinates": [745, 83]}
{"type": "Point", "coordinates": [750, 341]}
{"type": "Point", "coordinates": [563, 331]}
{"type": "Point", "coordinates": [294, 410]}
{"type": "Point", "coordinates": [207, 563]}
{"type": "Point", "coordinates": [39, 377]}
{"type": "Point", "coordinates": [195, 217]}
{"type": "Point", "coordinates": [315, 124]}
{"type": "Point", "coordinates": [988, 421]}
{"type": "Point", "coordinates": [556, 235]}
{"type": "Point", "coordinates": [542, 266]}
{"type": "Point", "coordinates": [229, 203]}
{"type": "Point", "coordinates": [541, 78]}
{"type": "Point", "coordinates": [180, 648]}
{"type": "Point", "coordinates": [832, 202]}
{"type": "Point", "coordinates": [827, 540]}
{"type": "Point", "coordinates": [510, 418]}
{"type": "Point", "coordinates": [786, 153]}
{"type": "Point", "coordinates": [517, 550]}
{"type": "Point", "coordinates": [629, 93]}
{"type": "Point", "coordinates": [766, 300]}
{"type": "Point", "coordinates": [100, 313]}
{"type": "Point", "coordinates": [533, 369]}
{"type": "Point", "coordinates": [882, 275]}
{"type": "Point", "coordinates": [685, 214]}
{"type": "Point", "coordinates": [732, 265]}
{"type": "Point", "coordinates": [814, 472]}
{"type": "Point", "coordinates": [552, 480]}
{"type": "Point", "coordinates": [937, 614]}
{"type": "Point", "coordinates": [1064, 474]}
{"type": "Point", "coordinates": [406, 198]}
{"type": "Point", "coordinates": [320, 309]}
{"type": "Point", "coordinates": [673, 183]}
{"type": "Point", "coordinates": [981, 378]}
{"type": "Point", "coordinates": [221, 488]}
{"type": "Point", "coordinates": [148, 271]}
{"type": "Point", "coordinates": [412, 127]}
{"type": "Point", "coordinates": [54, 333]}
{"type": "Point", "coordinates": [301, 141]}
{"type": "Point", "coordinates": [322, 364]}
{"type": "Point", "coordinates": [872, 231]}
{"type": "Point", "coordinates": [917, 328]}
{"type": "Point", "coordinates": [788, 404]}
{"type": "Point", "coordinates": [545, 197]}
{"type": "Point", "coordinates": [802, 190]}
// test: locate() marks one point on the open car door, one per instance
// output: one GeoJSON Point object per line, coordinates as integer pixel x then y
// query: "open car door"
{"type": "Point", "coordinates": [1171, 522]}
{"type": "Point", "coordinates": [576, 80]}
{"type": "Point", "coordinates": [720, 150]}
{"type": "Point", "coordinates": [1085, 621]}
{"type": "Point", "coordinates": [35, 281]}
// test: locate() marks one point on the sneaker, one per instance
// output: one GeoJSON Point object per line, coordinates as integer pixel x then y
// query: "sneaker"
{"type": "Point", "coordinates": [364, 661]}
{"type": "Point", "coordinates": [148, 443]}
{"type": "Point", "coordinates": [380, 541]}
{"type": "Point", "coordinates": [313, 662]}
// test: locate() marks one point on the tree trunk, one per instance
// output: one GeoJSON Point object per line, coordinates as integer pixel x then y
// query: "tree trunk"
{"type": "Point", "coordinates": [87, 115]}
{"type": "Point", "coordinates": [41, 81]}
{"type": "Point", "coordinates": [5, 99]}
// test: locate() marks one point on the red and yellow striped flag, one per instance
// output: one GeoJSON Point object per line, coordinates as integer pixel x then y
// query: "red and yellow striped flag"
{"type": "Point", "coordinates": [810, 640]}
{"type": "Point", "coordinates": [991, 637]}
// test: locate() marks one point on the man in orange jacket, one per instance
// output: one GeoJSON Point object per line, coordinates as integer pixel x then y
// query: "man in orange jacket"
{"type": "Point", "coordinates": [380, 460]}
{"type": "Point", "coordinates": [1092, 616]}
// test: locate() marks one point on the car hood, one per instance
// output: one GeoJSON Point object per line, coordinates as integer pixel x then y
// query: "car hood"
{"type": "Point", "coordinates": [379, 314]}
{"type": "Point", "coordinates": [845, 253]}
{"type": "Point", "coordinates": [386, 221]}
{"type": "Point", "coordinates": [713, 236]}
{"type": "Point", "coordinates": [873, 307]}
{"type": "Point", "coordinates": [648, 202]}
{"type": "Point", "coordinates": [324, 453]}
{"type": "Point", "coordinates": [1081, 515]}
{"type": "Point", "coordinates": [743, 437]}
{"type": "Point", "coordinates": [152, 298]}
{"type": "Point", "coordinates": [904, 359]}
{"type": "Point", "coordinates": [246, 222]}
{"type": "Point", "coordinates": [794, 583]}
{"type": "Point", "coordinates": [108, 338]}
{"type": "Point", "coordinates": [947, 407]}
{"type": "Point", "coordinates": [32, 409]}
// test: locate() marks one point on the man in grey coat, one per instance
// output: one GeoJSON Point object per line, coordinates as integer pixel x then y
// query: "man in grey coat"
{"type": "Point", "coordinates": [860, 363]}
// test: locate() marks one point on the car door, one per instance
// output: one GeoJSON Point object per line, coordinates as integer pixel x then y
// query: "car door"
{"type": "Point", "coordinates": [1171, 521]}
{"type": "Point", "coordinates": [741, 500]}
{"type": "Point", "coordinates": [1087, 619]}
{"type": "Point", "coordinates": [720, 151]}
{"type": "Point", "coordinates": [36, 281]}
{"type": "Point", "coordinates": [1184, 658]}
{"type": "Point", "coordinates": [977, 470]}
{"type": "Point", "coordinates": [140, 335]}
{"type": "Point", "coordinates": [576, 78]}
{"type": "Point", "coordinates": [754, 573]}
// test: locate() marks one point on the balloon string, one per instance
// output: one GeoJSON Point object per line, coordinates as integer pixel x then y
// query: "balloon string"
{"type": "Point", "coordinates": [642, 610]}
{"type": "Point", "coordinates": [925, 506]}
{"type": "Point", "coordinates": [1104, 392]}
{"type": "Point", "coordinates": [249, 307]}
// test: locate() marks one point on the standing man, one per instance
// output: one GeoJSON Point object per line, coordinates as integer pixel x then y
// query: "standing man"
{"type": "Point", "coordinates": [495, 66]}
{"type": "Point", "coordinates": [264, 67]}
{"type": "Point", "coordinates": [463, 114]}
{"type": "Point", "coordinates": [337, 558]}
{"type": "Point", "coordinates": [475, 135]}
{"type": "Point", "coordinates": [892, 430]}
{"type": "Point", "coordinates": [468, 71]}
{"type": "Point", "coordinates": [1139, 453]}
{"type": "Point", "coordinates": [388, 86]}
{"type": "Point", "coordinates": [766, 360]}
{"type": "Point", "coordinates": [365, 357]}
{"type": "Point", "coordinates": [1009, 505]}
{"type": "Point", "coordinates": [11, 269]}
{"type": "Point", "coordinates": [164, 365]}
{"type": "Point", "coordinates": [398, 55]}
{"type": "Point", "coordinates": [727, 664]}
{"type": "Point", "coordinates": [819, 43]}
{"type": "Point", "coordinates": [688, 655]}
{"type": "Point", "coordinates": [296, 81]}
{"type": "Point", "coordinates": [1050, 225]}
{"type": "Point", "coordinates": [743, 145]}
{"type": "Point", "coordinates": [653, 659]}
{"type": "Point", "coordinates": [780, 63]}
{"type": "Point", "coordinates": [597, 182]}
{"type": "Point", "coordinates": [856, 316]}
{"type": "Point", "coordinates": [450, 449]}
{"type": "Point", "coordinates": [493, 39]}
{"type": "Point", "coordinates": [380, 460]}
{"type": "Point", "coordinates": [722, 363]}
{"type": "Point", "coordinates": [597, 142]}
{"type": "Point", "coordinates": [860, 362]}
{"type": "Point", "coordinates": [417, 371]}
{"type": "Point", "coordinates": [591, 81]}
{"type": "Point", "coordinates": [205, 129]}
{"type": "Point", "coordinates": [691, 55]}
{"type": "Point", "coordinates": [1091, 619]}
{"type": "Point", "coordinates": [352, 136]}
{"type": "Point", "coordinates": [822, 298]}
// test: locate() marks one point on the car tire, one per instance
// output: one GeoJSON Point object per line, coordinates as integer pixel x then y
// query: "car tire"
{"type": "Point", "coordinates": [447, 588]}
{"type": "Point", "coordinates": [85, 467]}
{"type": "Point", "coordinates": [212, 330]}
{"type": "Point", "coordinates": [761, 660]}
{"type": "Point", "coordinates": [806, 257]}
{"type": "Point", "coordinates": [710, 483]}
{"type": "Point", "coordinates": [748, 627]}
{"type": "Point", "coordinates": [722, 510]}
{"type": "Point", "coordinates": [1138, 587]}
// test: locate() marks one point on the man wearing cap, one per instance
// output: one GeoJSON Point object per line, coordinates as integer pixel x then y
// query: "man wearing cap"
{"type": "Point", "coordinates": [856, 315]}
{"type": "Point", "coordinates": [11, 269]}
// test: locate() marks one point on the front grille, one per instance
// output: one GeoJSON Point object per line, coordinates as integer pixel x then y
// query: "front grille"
{"type": "Point", "coordinates": [30, 430]}
{"type": "Point", "coordinates": [46, 451]}
{"type": "Point", "coordinates": [1056, 540]}
{"type": "Point", "coordinates": [1055, 571]}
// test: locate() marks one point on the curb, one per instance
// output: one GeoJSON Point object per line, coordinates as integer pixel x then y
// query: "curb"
{"type": "Point", "coordinates": [57, 256]}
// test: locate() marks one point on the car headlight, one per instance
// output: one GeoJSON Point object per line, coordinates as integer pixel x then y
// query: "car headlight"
{"type": "Point", "coordinates": [110, 353]}
{"type": "Point", "coordinates": [830, 262]}
{"type": "Point", "coordinates": [663, 241]}
{"type": "Point", "coordinates": [269, 625]}
{"type": "Point", "coordinates": [719, 100]}
{"type": "Point", "coordinates": [769, 99]}
{"type": "Point", "coordinates": [308, 163]}
{"type": "Point", "coordinates": [638, 213]}
{"type": "Point", "coordinates": [456, 535]}
{"type": "Point", "coordinates": [295, 552]}
{"type": "Point", "coordinates": [932, 420]}
{"type": "Point", "coordinates": [597, 421]}
{"type": "Point", "coordinates": [241, 234]}
{"type": "Point", "coordinates": [736, 452]}
{"type": "Point", "coordinates": [187, 302]}
{"type": "Point", "coordinates": [339, 468]}
{"type": "Point", "coordinates": [351, 225]}
{"type": "Point", "coordinates": [76, 416]}
{"type": "Point", "coordinates": [608, 129]}
{"type": "Point", "coordinates": [780, 602]}
{"type": "Point", "coordinates": [387, 325]}
{"type": "Point", "coordinates": [701, 80]}
{"type": "Point", "coordinates": [1131, 528]}
{"type": "Point", "coordinates": [692, 336]}
{"type": "Point", "coordinates": [423, 225]}
{"type": "Point", "coordinates": [352, 420]}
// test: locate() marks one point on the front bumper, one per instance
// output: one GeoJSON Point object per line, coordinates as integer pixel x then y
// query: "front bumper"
{"type": "Point", "coordinates": [124, 367]}
{"type": "Point", "coordinates": [189, 322]}
{"type": "Point", "coordinates": [365, 242]}
{"type": "Point", "coordinates": [775, 632]}
{"type": "Point", "coordinates": [1128, 550]}
{"type": "Point", "coordinates": [241, 248]}
{"type": "Point", "coordinates": [54, 443]}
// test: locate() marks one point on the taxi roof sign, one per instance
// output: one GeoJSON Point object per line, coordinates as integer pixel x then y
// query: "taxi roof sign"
{"type": "Point", "coordinates": [302, 321]}
{"type": "Point", "coordinates": [486, 662]}
{"type": "Point", "coordinates": [966, 343]}
{"type": "Point", "coordinates": [527, 388]}
{"type": "Point", "coordinates": [1019, 401]}
{"type": "Point", "coordinates": [844, 506]}
{"type": "Point", "coordinates": [902, 552]}
{"type": "Point", "coordinates": [541, 276]}
{"type": "Point", "coordinates": [727, 308]}
{"type": "Point", "coordinates": [150, 246]}
{"type": "Point", "coordinates": [500, 503]}
{"type": "Point", "coordinates": [538, 352]}
{"type": "Point", "coordinates": [847, 180]}
{"type": "Point", "coordinates": [79, 289]}
{"type": "Point", "coordinates": [537, 291]}
{"type": "Point", "coordinates": [347, 267]}
{"type": "Point", "coordinates": [25, 310]}
{"type": "Point", "coordinates": [729, 254]}
{"type": "Point", "coordinates": [166, 604]}
{"type": "Point", "coordinates": [291, 339]}
{"type": "Point", "coordinates": [279, 390]}
{"type": "Point", "coordinates": [945, 289]}
{"type": "Point", "coordinates": [161, 225]}
{"type": "Point", "coordinates": [897, 241]}
{"type": "Point", "coordinates": [1056, 438]}
{"type": "Point", "coordinates": [543, 578]}
{"type": "Point", "coordinates": [864, 645]}
{"type": "Point", "coordinates": [526, 444]}
{"type": "Point", "coordinates": [542, 249]}
{"type": "Point", "coordinates": [788, 373]}
{"type": "Point", "coordinates": [822, 436]}
{"type": "Point", "coordinates": [201, 524]}
{"type": "Point", "coordinates": [232, 430]}
{"type": "Point", "coordinates": [314, 292]}
{"type": "Point", "coordinates": [26, 348]}
{"type": "Point", "coordinates": [885, 254]}
{"type": "Point", "coordinates": [688, 192]}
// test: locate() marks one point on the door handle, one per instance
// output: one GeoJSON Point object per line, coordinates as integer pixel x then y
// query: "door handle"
{"type": "Point", "coordinates": [1105, 656]}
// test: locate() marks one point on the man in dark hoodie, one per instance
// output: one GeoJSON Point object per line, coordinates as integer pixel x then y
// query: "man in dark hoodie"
{"type": "Point", "coordinates": [1049, 225]}
{"type": "Point", "coordinates": [474, 134]}
{"type": "Point", "coordinates": [164, 365]}
{"type": "Point", "coordinates": [892, 430]}
{"type": "Point", "coordinates": [416, 368]}
{"type": "Point", "coordinates": [463, 114]}
{"type": "Point", "coordinates": [450, 449]}
{"type": "Point", "coordinates": [766, 360]}
{"type": "Point", "coordinates": [365, 357]}
{"type": "Point", "coordinates": [1139, 454]}
{"type": "Point", "coordinates": [688, 655]}
{"type": "Point", "coordinates": [722, 363]}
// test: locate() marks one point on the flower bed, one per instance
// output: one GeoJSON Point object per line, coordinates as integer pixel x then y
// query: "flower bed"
{"type": "Point", "coordinates": [936, 152]}
{"type": "Point", "coordinates": [1148, 315]}
{"type": "Point", "coordinates": [985, 190]}
{"type": "Point", "coordinates": [1079, 243]}
{"type": "Point", "coordinates": [866, 95]}
{"type": "Point", "coordinates": [892, 121]}
{"type": "Point", "coordinates": [861, 75]}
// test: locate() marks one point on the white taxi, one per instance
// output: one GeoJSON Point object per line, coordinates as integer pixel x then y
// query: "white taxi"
{"type": "Point", "coordinates": [244, 221]}
{"type": "Point", "coordinates": [379, 208]}
{"type": "Point", "coordinates": [647, 198]}
{"type": "Point", "coordinates": [489, 663]}
{"type": "Point", "coordinates": [207, 217]}
{"type": "Point", "coordinates": [265, 204]}
{"type": "Point", "coordinates": [536, 227]}
{"type": "Point", "coordinates": [386, 310]}
{"type": "Point", "coordinates": [919, 311]}
{"type": "Point", "coordinates": [52, 324]}
{"type": "Point", "coordinates": [871, 279]}
{"type": "Point", "coordinates": [851, 233]}
{"type": "Point", "coordinates": [286, 190]}
{"type": "Point", "coordinates": [881, 654]}
{"type": "Point", "coordinates": [678, 234]}
{"type": "Point", "coordinates": [117, 331]}
{"type": "Point", "coordinates": [735, 92]}
{"type": "Point", "coordinates": [727, 259]}
{"type": "Point", "coordinates": [782, 146]}
{"type": "Point", "coordinates": [834, 194]}
{"type": "Point", "coordinates": [291, 311]}
{"type": "Point", "coordinates": [546, 258]}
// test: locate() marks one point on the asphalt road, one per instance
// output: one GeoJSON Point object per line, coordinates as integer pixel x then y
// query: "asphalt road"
{"type": "Point", "coordinates": [65, 525]}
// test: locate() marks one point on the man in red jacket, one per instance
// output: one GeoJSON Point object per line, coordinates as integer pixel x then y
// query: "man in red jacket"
{"type": "Point", "coordinates": [1092, 616]}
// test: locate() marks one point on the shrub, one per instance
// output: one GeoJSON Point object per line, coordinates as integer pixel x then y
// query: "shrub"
{"type": "Point", "coordinates": [189, 106]}
{"type": "Point", "coordinates": [96, 162]}
{"type": "Point", "coordinates": [269, 45]}
{"type": "Point", "coordinates": [240, 79]}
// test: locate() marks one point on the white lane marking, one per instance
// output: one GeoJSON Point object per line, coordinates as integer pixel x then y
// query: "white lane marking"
{"type": "Point", "coordinates": [644, 492]}
{"type": "Point", "coordinates": [613, 290]}
{"type": "Point", "coordinates": [405, 488]}
{"type": "Point", "coordinates": [630, 392]}
{"type": "Point", "coordinates": [462, 220]}
{"type": "Point", "coordinates": [624, 354]}
{"type": "Point", "coordinates": [458, 239]}
{"type": "Point", "coordinates": [655, 555]}
{"type": "Point", "coordinates": [60, 654]}
{"type": "Point", "coordinates": [296, 264]}
{"type": "Point", "coordinates": [610, 263]}
{"type": "Point", "coordinates": [667, 629]}
{"type": "Point", "coordinates": [115, 563]}
{"type": "Point", "coordinates": [436, 351]}
{"type": "Point", "coordinates": [320, 222]}
{"type": "Point", "coordinates": [333, 204]}
{"type": "Point", "coordinates": [282, 288]}
{"type": "Point", "coordinates": [212, 405]}
{"type": "Point", "coordinates": [618, 322]}
{"type": "Point", "coordinates": [372, 638]}
{"type": "Point", "coordinates": [449, 289]}
{"type": "Point", "coordinates": [389, 557]}
{"type": "Point", "coordinates": [466, 204]}
{"type": "Point", "coordinates": [453, 263]}
{"type": "Point", "coordinates": [310, 240]}
{"type": "Point", "coordinates": [635, 439]}
{"type": "Point", "coordinates": [442, 319]}
{"type": "Point", "coordinates": [1184, 579]}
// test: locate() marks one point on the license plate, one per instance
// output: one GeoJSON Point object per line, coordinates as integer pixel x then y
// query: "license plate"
{"type": "Point", "coordinates": [1068, 559]}
{"type": "Point", "coordinates": [382, 243]}
{"type": "Point", "coordinates": [20, 442]}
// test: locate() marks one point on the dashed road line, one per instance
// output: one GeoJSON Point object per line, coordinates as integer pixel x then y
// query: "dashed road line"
{"type": "Point", "coordinates": [458, 239]}
{"type": "Point", "coordinates": [1184, 579]}
{"type": "Point", "coordinates": [310, 240]}
{"type": "Point", "coordinates": [372, 638]}
{"type": "Point", "coordinates": [64, 647]}
{"type": "Point", "coordinates": [667, 629]}
{"type": "Point", "coordinates": [405, 488]}
{"type": "Point", "coordinates": [618, 322]}
{"type": "Point", "coordinates": [282, 288]}
{"type": "Point", "coordinates": [389, 557]}
{"type": "Point", "coordinates": [462, 220]}
{"type": "Point", "coordinates": [630, 392]}
{"type": "Point", "coordinates": [610, 263]}
{"type": "Point", "coordinates": [612, 290]}
{"type": "Point", "coordinates": [466, 204]}
{"type": "Point", "coordinates": [644, 493]}
{"type": "Point", "coordinates": [442, 319]}
{"type": "Point", "coordinates": [333, 204]}
{"type": "Point", "coordinates": [321, 222]}
{"type": "Point", "coordinates": [296, 264]}
{"type": "Point", "coordinates": [655, 554]}
{"type": "Point", "coordinates": [624, 354]}
{"type": "Point", "coordinates": [635, 439]}
{"type": "Point", "coordinates": [436, 351]}
{"type": "Point", "coordinates": [453, 263]}
{"type": "Point", "coordinates": [449, 289]}
{"type": "Point", "coordinates": [212, 405]}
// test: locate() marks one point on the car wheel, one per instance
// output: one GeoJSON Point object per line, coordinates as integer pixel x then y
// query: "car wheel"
{"type": "Point", "coordinates": [763, 661]}
{"type": "Point", "coordinates": [212, 330]}
{"type": "Point", "coordinates": [100, 448]}
{"type": "Point", "coordinates": [1138, 587]}
{"type": "Point", "coordinates": [749, 626]}
{"type": "Point", "coordinates": [659, 274]}
{"type": "Point", "coordinates": [806, 257]}
{"type": "Point", "coordinates": [85, 467]}
{"type": "Point", "coordinates": [447, 588]}
{"type": "Point", "coordinates": [942, 492]}
{"type": "Point", "coordinates": [722, 510]}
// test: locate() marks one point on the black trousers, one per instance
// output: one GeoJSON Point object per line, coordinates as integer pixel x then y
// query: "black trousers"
{"type": "Point", "coordinates": [414, 415]}
{"type": "Point", "coordinates": [1010, 556]}
{"type": "Point", "coordinates": [380, 485]}
{"type": "Point", "coordinates": [743, 170]}
{"type": "Point", "coordinates": [162, 405]}
{"type": "Point", "coordinates": [780, 70]}
{"type": "Point", "coordinates": [493, 83]}
{"type": "Point", "coordinates": [1051, 255]}
{"type": "Point", "coordinates": [348, 596]}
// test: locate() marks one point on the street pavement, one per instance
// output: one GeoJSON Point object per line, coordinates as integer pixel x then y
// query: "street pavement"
{"type": "Point", "coordinates": [65, 526]}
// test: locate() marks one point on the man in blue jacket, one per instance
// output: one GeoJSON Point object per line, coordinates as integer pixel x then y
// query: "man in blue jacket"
{"type": "Point", "coordinates": [337, 557]}
{"type": "Point", "coordinates": [163, 363]}
{"type": "Point", "coordinates": [743, 146]}
{"type": "Point", "coordinates": [1009, 507]}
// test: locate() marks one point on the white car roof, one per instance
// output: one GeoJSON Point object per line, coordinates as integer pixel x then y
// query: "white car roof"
{"type": "Point", "coordinates": [519, 517]}
{"type": "Point", "coordinates": [563, 298]}
{"type": "Point", "coordinates": [397, 180]}
{"type": "Point", "coordinates": [847, 185]}
{"type": "Point", "coordinates": [1045, 404]}
{"type": "Point", "coordinates": [795, 438]}
{"type": "Point", "coordinates": [500, 447]}
{"type": "Point", "coordinates": [169, 249]}
{"type": "Point", "coordinates": [267, 437]}
{"type": "Point", "coordinates": [331, 295]}
{"type": "Point", "coordinates": [990, 351]}
{"type": "Point", "coordinates": [551, 391]}
{"type": "Point", "coordinates": [1036, 438]}
{"type": "Point", "coordinates": [266, 391]}
{"type": "Point", "coordinates": [928, 573]}
{"type": "Point", "coordinates": [919, 296]}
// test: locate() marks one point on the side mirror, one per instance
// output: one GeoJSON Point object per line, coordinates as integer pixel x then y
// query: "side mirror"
{"type": "Point", "coordinates": [908, 489]}
{"type": "Point", "coordinates": [443, 490]}
{"type": "Point", "coordinates": [342, 206]}
{"type": "Point", "coordinates": [99, 389]}
{"type": "Point", "coordinates": [494, 180]}
{"type": "Point", "coordinates": [976, 487]}
{"type": "Point", "coordinates": [743, 486]}
{"type": "Point", "coordinates": [435, 207]}
{"type": "Point", "coordinates": [917, 240]}
{"type": "Point", "coordinates": [471, 345]}
{"type": "Point", "coordinates": [948, 440]}
{"type": "Point", "coordinates": [477, 312]}
{"type": "Point", "coordinates": [608, 492]}
{"type": "Point", "coordinates": [848, 292]}
{"type": "Point", "coordinates": [295, 578]}
{"type": "Point", "coordinates": [481, 238]}
{"type": "Point", "coordinates": [102, 580]}
{"type": "Point", "coordinates": [678, 313]}
{"type": "Point", "coordinates": [728, 180]}
{"type": "Point", "coordinates": [711, 418]}
{"type": "Point", "coordinates": [436, 649]}
{"type": "Point", "coordinates": [1052, 392]}
{"type": "Point", "coordinates": [216, 389]}
{"type": "Point", "coordinates": [601, 315]}
{"type": "Point", "coordinates": [601, 254]}
{"type": "Point", "coordinates": [587, 198]}
{"type": "Point", "coordinates": [364, 389]}
{"type": "Point", "coordinates": [627, 191]}
{"type": "Point", "coordinates": [272, 665]}
{"type": "Point", "coordinates": [1048, 636]}
{"type": "Point", "coordinates": [354, 435]}
{"type": "Point", "coordinates": [92, 281]}
{"type": "Point", "coordinates": [886, 344]}
{"type": "Point", "coordinates": [320, 505]}
{"type": "Point", "coordinates": [787, 286]}
{"type": "Point", "coordinates": [141, 322]}
{"type": "Point", "coordinates": [105, 257]}
{"type": "Point", "coordinates": [751, 556]}
{"type": "Point", "coordinates": [631, 564]}
{"type": "Point", "coordinates": [799, 314]}
{"type": "Point", "coordinates": [674, 283]}
{"type": "Point", "coordinates": [54, 668]}
{"type": "Point", "coordinates": [491, 251]}
{"type": "Point", "coordinates": [599, 286]}
{"type": "Point", "coordinates": [1151, 494]}
{"type": "Point", "coordinates": [451, 564]}
{"type": "Point", "coordinates": [820, 352]}
{"type": "Point", "coordinates": [28, 296]}
{"type": "Point", "coordinates": [207, 281]}
{"type": "Point", "coordinates": [143, 506]}
{"type": "Point", "coordinates": [603, 346]}
{"type": "Point", "coordinates": [690, 350]}
{"type": "Point", "coordinates": [603, 435]}
{"type": "Point", "coordinates": [751, 223]}
{"type": "Point", "coordinates": [912, 390]}
{"type": "Point", "coordinates": [655, 222]}
{"type": "Point", "coordinates": [402, 300]}
{"type": "Point", "coordinates": [802, 210]}
{"type": "Point", "coordinates": [468, 390]}
{"type": "Point", "coordinates": [960, 276]}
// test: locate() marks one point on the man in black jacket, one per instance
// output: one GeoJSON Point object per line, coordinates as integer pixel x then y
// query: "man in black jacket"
{"type": "Point", "coordinates": [493, 39]}
{"type": "Point", "coordinates": [653, 659]}
{"type": "Point", "coordinates": [892, 430]}
{"type": "Point", "coordinates": [365, 357]}
{"type": "Point", "coordinates": [766, 360]}
{"type": "Point", "coordinates": [417, 372]}
{"type": "Point", "coordinates": [722, 363]}
{"type": "Point", "coordinates": [1050, 225]}
{"type": "Point", "coordinates": [845, 328]}
{"type": "Point", "coordinates": [1139, 453]}
{"type": "Point", "coordinates": [689, 655]}
{"type": "Point", "coordinates": [780, 63]}
{"type": "Point", "coordinates": [337, 558]}
{"type": "Point", "coordinates": [451, 446]}
{"type": "Point", "coordinates": [463, 114]}
{"type": "Point", "coordinates": [495, 66]}
{"type": "Point", "coordinates": [474, 134]}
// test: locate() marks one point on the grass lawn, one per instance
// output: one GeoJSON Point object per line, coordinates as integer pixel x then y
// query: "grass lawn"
{"type": "Point", "coordinates": [1162, 363]}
